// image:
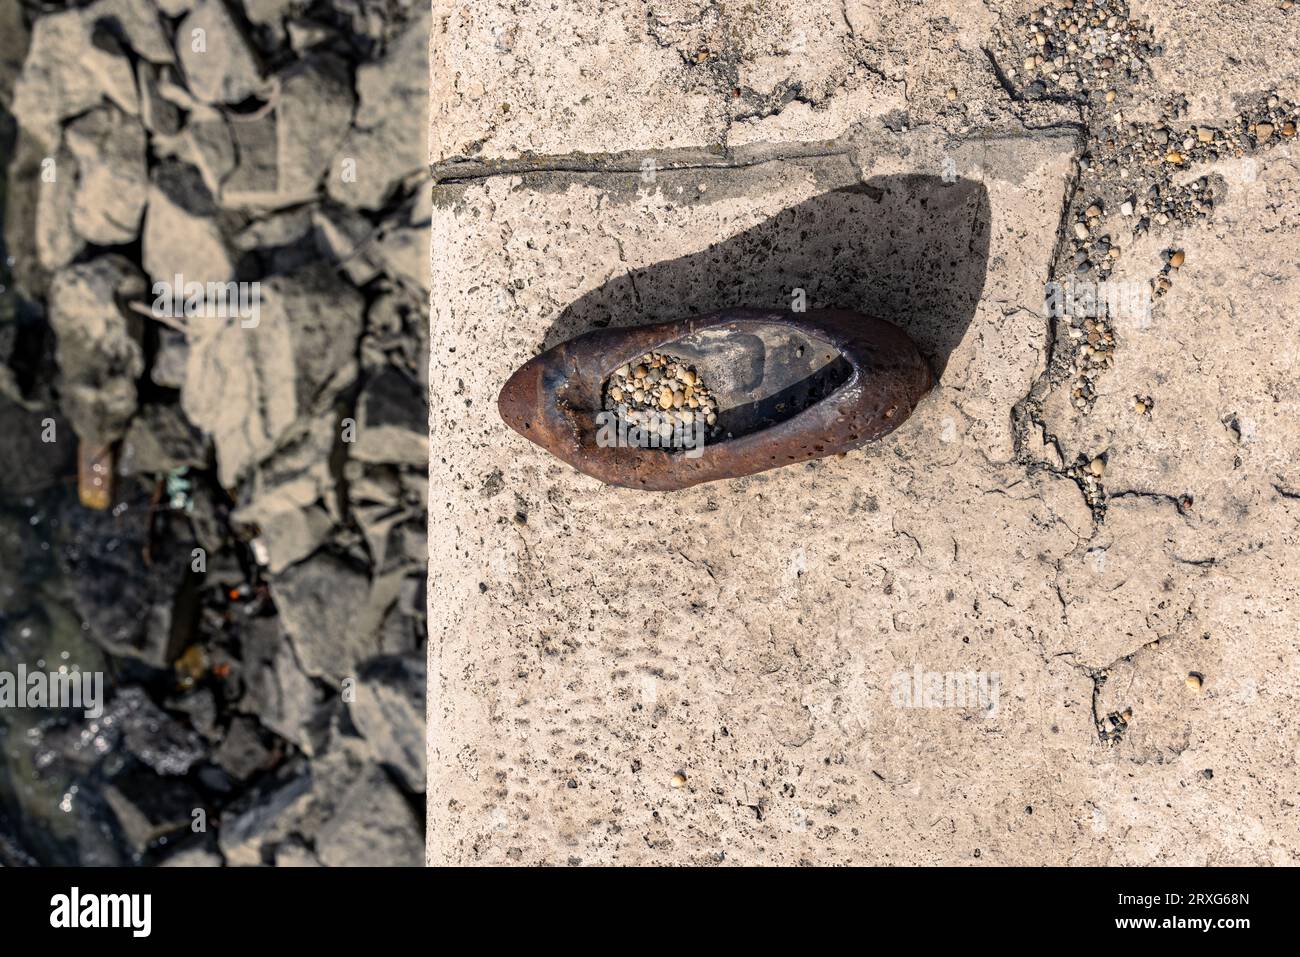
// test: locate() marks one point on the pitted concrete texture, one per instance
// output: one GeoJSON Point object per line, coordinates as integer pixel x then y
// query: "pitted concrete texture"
{"type": "Point", "coordinates": [697, 78]}
{"type": "Point", "coordinates": [1217, 52]}
{"type": "Point", "coordinates": [933, 650]}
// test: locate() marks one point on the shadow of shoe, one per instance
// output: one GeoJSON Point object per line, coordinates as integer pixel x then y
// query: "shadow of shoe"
{"type": "Point", "coordinates": [910, 249]}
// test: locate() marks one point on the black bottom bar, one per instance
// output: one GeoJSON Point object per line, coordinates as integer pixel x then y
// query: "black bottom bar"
{"type": "Point", "coordinates": [333, 907]}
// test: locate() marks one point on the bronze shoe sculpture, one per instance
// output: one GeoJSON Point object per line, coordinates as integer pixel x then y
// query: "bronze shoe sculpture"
{"type": "Point", "coordinates": [732, 393]}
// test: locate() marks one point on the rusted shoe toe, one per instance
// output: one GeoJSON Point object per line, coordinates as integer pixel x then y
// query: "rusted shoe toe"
{"type": "Point", "coordinates": [672, 405]}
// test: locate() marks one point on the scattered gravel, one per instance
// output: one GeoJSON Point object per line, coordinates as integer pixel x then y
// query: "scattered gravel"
{"type": "Point", "coordinates": [1141, 171]}
{"type": "Point", "coordinates": [1078, 51]}
{"type": "Point", "coordinates": [1133, 176]}
{"type": "Point", "coordinates": [662, 393]}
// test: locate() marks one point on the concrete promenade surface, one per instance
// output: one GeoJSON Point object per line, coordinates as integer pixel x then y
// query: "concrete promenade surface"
{"type": "Point", "coordinates": [1053, 617]}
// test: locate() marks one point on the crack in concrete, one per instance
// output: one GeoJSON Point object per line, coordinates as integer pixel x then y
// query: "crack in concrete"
{"type": "Point", "coordinates": [1026, 414]}
{"type": "Point", "coordinates": [686, 158]}
{"type": "Point", "coordinates": [774, 103]}
{"type": "Point", "coordinates": [1180, 502]}
{"type": "Point", "coordinates": [1119, 719]}
{"type": "Point", "coordinates": [1098, 678]}
{"type": "Point", "coordinates": [1007, 86]}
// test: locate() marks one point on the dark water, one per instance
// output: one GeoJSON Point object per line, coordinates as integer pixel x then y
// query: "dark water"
{"type": "Point", "coordinates": [41, 816]}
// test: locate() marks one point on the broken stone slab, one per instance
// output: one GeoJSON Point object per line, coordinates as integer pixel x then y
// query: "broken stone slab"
{"type": "Point", "coordinates": [254, 179]}
{"type": "Point", "coordinates": [392, 420]}
{"type": "Point", "coordinates": [160, 440]}
{"type": "Point", "coordinates": [270, 15]}
{"type": "Point", "coordinates": [148, 808]}
{"type": "Point", "coordinates": [391, 515]}
{"type": "Point", "coordinates": [264, 815]}
{"type": "Point", "coordinates": [414, 548]}
{"type": "Point", "coordinates": [404, 251]}
{"type": "Point", "coordinates": [412, 601]}
{"type": "Point", "coordinates": [415, 489]}
{"type": "Point", "coordinates": [197, 856]}
{"type": "Point", "coordinates": [112, 178]}
{"type": "Point", "coordinates": [343, 804]}
{"type": "Point", "coordinates": [13, 49]}
{"type": "Point", "coordinates": [219, 63]}
{"type": "Point", "coordinates": [377, 523]}
{"type": "Point", "coordinates": [313, 113]}
{"type": "Point", "coordinates": [374, 28]}
{"type": "Point", "coordinates": [182, 232]}
{"type": "Point", "coordinates": [172, 89]}
{"type": "Point", "coordinates": [397, 334]}
{"type": "Point", "coordinates": [65, 74]}
{"type": "Point", "coordinates": [283, 228]}
{"type": "Point", "coordinates": [304, 34]}
{"type": "Point", "coordinates": [207, 142]}
{"type": "Point", "coordinates": [388, 588]}
{"type": "Point", "coordinates": [109, 61]}
{"type": "Point", "coordinates": [98, 344]}
{"type": "Point", "coordinates": [278, 693]}
{"type": "Point", "coordinates": [291, 246]}
{"type": "Point", "coordinates": [170, 360]}
{"type": "Point", "coordinates": [388, 710]}
{"type": "Point", "coordinates": [326, 315]}
{"type": "Point", "coordinates": [77, 57]}
{"type": "Point", "coordinates": [401, 634]}
{"type": "Point", "coordinates": [297, 801]}
{"type": "Point", "coordinates": [57, 241]}
{"type": "Point", "coordinates": [136, 23]}
{"type": "Point", "coordinates": [345, 236]}
{"type": "Point", "coordinates": [321, 601]}
{"type": "Point", "coordinates": [284, 150]}
{"type": "Point", "coordinates": [396, 605]}
{"type": "Point", "coordinates": [243, 752]}
{"type": "Point", "coordinates": [305, 453]}
{"type": "Point", "coordinates": [368, 485]}
{"type": "Point", "coordinates": [199, 705]}
{"type": "Point", "coordinates": [158, 114]}
{"type": "Point", "coordinates": [248, 381]}
{"type": "Point", "coordinates": [289, 523]}
{"type": "Point", "coordinates": [373, 826]}
{"type": "Point", "coordinates": [29, 156]}
{"type": "Point", "coordinates": [293, 854]}
{"type": "Point", "coordinates": [393, 94]}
